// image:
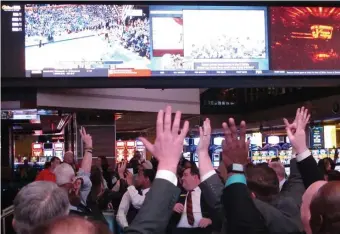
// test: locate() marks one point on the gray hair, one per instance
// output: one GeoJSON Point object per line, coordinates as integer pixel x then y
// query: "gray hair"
{"type": "Point", "coordinates": [37, 203]}
{"type": "Point", "coordinates": [64, 174]}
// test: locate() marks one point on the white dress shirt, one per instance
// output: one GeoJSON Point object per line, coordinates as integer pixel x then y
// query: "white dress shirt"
{"type": "Point", "coordinates": [195, 195]}
{"type": "Point", "coordinates": [196, 209]}
{"type": "Point", "coordinates": [137, 200]}
{"type": "Point", "coordinates": [281, 183]}
{"type": "Point", "coordinates": [123, 209]}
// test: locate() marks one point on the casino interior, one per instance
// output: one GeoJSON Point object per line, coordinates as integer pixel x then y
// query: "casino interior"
{"type": "Point", "coordinates": [45, 101]}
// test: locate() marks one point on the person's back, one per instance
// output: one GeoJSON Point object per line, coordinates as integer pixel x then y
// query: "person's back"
{"type": "Point", "coordinates": [281, 213]}
{"type": "Point", "coordinates": [37, 203]}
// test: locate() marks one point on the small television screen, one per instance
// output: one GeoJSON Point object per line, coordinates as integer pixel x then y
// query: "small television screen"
{"type": "Point", "coordinates": [48, 146]}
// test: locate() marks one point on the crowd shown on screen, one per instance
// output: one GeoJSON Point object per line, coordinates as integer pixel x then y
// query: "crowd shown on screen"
{"type": "Point", "coordinates": [230, 47]}
{"type": "Point", "coordinates": [50, 21]}
{"type": "Point", "coordinates": [171, 195]}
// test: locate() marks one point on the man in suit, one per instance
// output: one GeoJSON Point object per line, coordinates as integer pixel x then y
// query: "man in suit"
{"type": "Point", "coordinates": [276, 211]}
{"type": "Point", "coordinates": [156, 211]}
{"type": "Point", "coordinates": [134, 198]}
{"type": "Point", "coordinates": [191, 212]}
{"type": "Point", "coordinates": [279, 213]}
{"type": "Point", "coordinates": [279, 169]}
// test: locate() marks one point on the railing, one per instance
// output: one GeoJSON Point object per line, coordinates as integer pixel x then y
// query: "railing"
{"type": "Point", "coordinates": [6, 213]}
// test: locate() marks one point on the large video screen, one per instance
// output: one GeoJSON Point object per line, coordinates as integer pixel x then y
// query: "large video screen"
{"type": "Point", "coordinates": [116, 41]}
{"type": "Point", "coordinates": [204, 40]}
{"type": "Point", "coordinates": [305, 38]}
{"type": "Point", "coordinates": [99, 40]}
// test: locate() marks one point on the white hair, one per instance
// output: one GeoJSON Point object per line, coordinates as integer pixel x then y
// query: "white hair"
{"type": "Point", "coordinates": [64, 174]}
{"type": "Point", "coordinates": [37, 203]}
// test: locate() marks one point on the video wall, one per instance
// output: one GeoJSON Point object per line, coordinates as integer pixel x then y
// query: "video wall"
{"type": "Point", "coordinates": [172, 40]}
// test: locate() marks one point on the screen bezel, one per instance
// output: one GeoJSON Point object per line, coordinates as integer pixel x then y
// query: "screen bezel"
{"type": "Point", "coordinates": [182, 81]}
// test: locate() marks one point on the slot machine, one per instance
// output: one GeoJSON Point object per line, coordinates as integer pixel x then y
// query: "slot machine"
{"type": "Point", "coordinates": [217, 149]}
{"type": "Point", "coordinates": [141, 149]}
{"type": "Point", "coordinates": [130, 149]}
{"type": "Point", "coordinates": [48, 150]}
{"type": "Point", "coordinates": [283, 156]}
{"type": "Point", "coordinates": [58, 148]}
{"type": "Point", "coordinates": [186, 149]}
{"type": "Point", "coordinates": [217, 157]}
{"type": "Point", "coordinates": [316, 154]}
{"type": "Point", "coordinates": [289, 155]}
{"type": "Point", "coordinates": [37, 151]}
{"type": "Point", "coordinates": [255, 156]}
{"type": "Point", "coordinates": [195, 155]}
{"type": "Point", "coordinates": [332, 153]}
{"type": "Point", "coordinates": [271, 154]}
{"type": "Point", "coordinates": [264, 155]}
{"type": "Point", "coordinates": [323, 153]}
{"type": "Point", "coordinates": [195, 158]}
{"type": "Point", "coordinates": [120, 151]}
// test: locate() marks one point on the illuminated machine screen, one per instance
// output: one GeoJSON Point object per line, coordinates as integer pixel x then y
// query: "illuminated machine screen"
{"type": "Point", "coordinates": [116, 41]}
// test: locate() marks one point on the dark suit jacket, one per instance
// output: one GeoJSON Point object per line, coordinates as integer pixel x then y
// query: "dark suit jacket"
{"type": "Point", "coordinates": [156, 211]}
{"type": "Point", "coordinates": [242, 215]}
{"type": "Point", "coordinates": [212, 189]}
{"type": "Point", "coordinates": [309, 171]}
{"type": "Point", "coordinates": [282, 214]}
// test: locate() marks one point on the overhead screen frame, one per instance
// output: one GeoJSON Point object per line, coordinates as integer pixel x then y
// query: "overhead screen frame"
{"type": "Point", "coordinates": [179, 81]}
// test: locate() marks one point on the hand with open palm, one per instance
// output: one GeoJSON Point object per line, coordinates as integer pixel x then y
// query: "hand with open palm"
{"type": "Point", "coordinates": [205, 137]}
{"type": "Point", "coordinates": [168, 145]}
{"type": "Point", "coordinates": [296, 130]}
{"type": "Point", "coordinates": [85, 137]}
{"type": "Point", "coordinates": [235, 150]}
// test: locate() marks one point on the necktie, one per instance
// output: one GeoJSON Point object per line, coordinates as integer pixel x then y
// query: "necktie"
{"type": "Point", "coordinates": [190, 214]}
{"type": "Point", "coordinates": [140, 192]}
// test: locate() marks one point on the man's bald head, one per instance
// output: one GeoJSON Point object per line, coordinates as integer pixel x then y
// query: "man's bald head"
{"type": "Point", "coordinates": [306, 201]}
{"type": "Point", "coordinates": [325, 209]}
{"type": "Point", "coordinates": [69, 157]}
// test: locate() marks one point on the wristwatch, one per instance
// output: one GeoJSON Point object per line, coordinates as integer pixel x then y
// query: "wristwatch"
{"type": "Point", "coordinates": [235, 168]}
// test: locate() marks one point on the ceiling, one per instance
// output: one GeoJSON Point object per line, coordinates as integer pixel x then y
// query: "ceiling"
{"type": "Point", "coordinates": [125, 121]}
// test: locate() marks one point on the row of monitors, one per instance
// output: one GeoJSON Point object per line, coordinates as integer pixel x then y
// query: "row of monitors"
{"type": "Point", "coordinates": [97, 40]}
{"type": "Point", "coordinates": [286, 155]}
{"type": "Point", "coordinates": [265, 156]}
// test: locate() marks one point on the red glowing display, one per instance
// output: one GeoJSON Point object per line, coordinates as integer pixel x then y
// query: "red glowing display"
{"type": "Point", "coordinates": [305, 38]}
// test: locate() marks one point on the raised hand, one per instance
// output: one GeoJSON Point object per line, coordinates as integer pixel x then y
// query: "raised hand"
{"type": "Point", "coordinates": [168, 145]}
{"type": "Point", "coordinates": [234, 150]}
{"type": "Point", "coordinates": [205, 165]}
{"type": "Point", "coordinates": [121, 169]}
{"type": "Point", "coordinates": [296, 131]}
{"type": "Point", "coordinates": [205, 136]}
{"type": "Point", "coordinates": [86, 138]}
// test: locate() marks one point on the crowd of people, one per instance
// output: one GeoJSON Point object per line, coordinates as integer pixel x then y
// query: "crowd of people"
{"type": "Point", "coordinates": [44, 20]}
{"type": "Point", "coordinates": [112, 22]}
{"type": "Point", "coordinates": [171, 195]}
{"type": "Point", "coordinates": [230, 47]}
